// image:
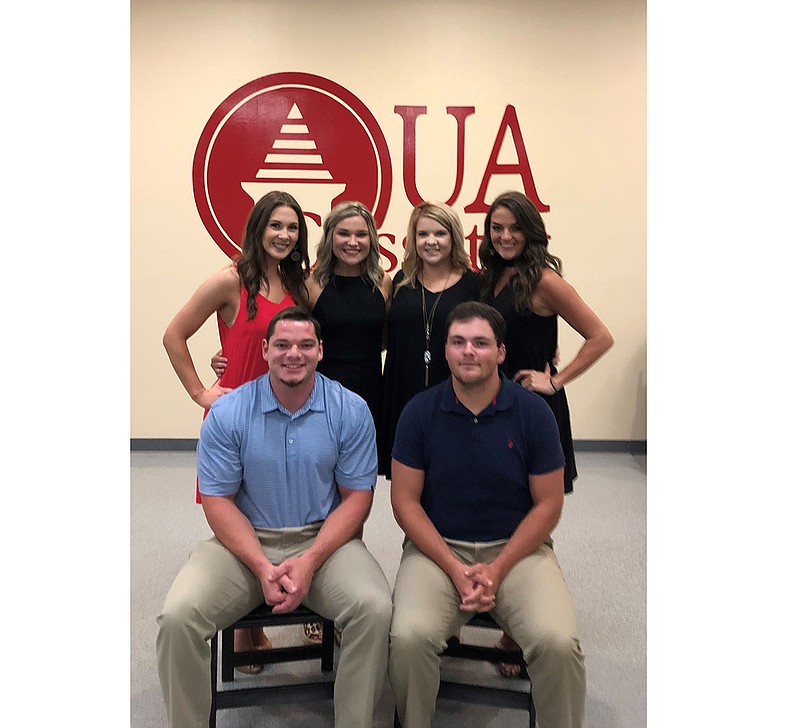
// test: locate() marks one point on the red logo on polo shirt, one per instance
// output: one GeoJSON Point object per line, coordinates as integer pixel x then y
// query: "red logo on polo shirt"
{"type": "Point", "coordinates": [296, 132]}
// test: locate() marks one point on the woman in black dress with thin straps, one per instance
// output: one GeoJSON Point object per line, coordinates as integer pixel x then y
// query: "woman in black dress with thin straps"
{"type": "Point", "coordinates": [436, 275]}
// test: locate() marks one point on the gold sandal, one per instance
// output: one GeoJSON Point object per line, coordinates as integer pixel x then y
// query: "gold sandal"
{"type": "Point", "coordinates": [257, 668]}
{"type": "Point", "coordinates": [249, 669]}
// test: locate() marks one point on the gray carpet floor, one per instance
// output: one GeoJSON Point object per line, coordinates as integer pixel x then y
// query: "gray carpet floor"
{"type": "Point", "coordinates": [600, 542]}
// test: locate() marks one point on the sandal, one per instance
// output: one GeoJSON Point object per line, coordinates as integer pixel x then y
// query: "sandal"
{"type": "Point", "coordinates": [264, 644]}
{"type": "Point", "coordinates": [313, 632]}
{"type": "Point", "coordinates": [508, 669]}
{"type": "Point", "coordinates": [249, 669]}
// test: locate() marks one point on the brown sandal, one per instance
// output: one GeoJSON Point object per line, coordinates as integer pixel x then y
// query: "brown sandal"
{"type": "Point", "coordinates": [509, 669]}
{"type": "Point", "coordinates": [265, 644]}
{"type": "Point", "coordinates": [249, 669]}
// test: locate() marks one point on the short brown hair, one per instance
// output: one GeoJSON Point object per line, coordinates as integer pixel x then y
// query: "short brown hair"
{"type": "Point", "coordinates": [469, 310]}
{"type": "Point", "coordinates": [293, 313]}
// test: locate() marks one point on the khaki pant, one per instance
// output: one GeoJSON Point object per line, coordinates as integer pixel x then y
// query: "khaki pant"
{"type": "Point", "coordinates": [214, 589]}
{"type": "Point", "coordinates": [533, 605]}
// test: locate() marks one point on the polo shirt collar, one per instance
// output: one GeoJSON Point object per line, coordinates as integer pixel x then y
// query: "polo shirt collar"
{"type": "Point", "coordinates": [502, 401]}
{"type": "Point", "coordinates": [269, 403]}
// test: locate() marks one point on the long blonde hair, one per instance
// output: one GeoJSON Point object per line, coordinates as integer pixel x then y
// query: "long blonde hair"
{"type": "Point", "coordinates": [447, 218]}
{"type": "Point", "coordinates": [371, 269]}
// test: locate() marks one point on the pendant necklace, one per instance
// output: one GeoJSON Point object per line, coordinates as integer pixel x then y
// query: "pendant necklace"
{"type": "Point", "coordinates": [428, 320]}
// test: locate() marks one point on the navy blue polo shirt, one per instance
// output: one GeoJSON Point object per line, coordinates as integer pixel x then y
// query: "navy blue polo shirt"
{"type": "Point", "coordinates": [476, 467]}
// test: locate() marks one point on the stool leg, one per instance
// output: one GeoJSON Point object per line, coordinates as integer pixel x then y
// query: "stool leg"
{"type": "Point", "coordinates": [212, 717]}
{"type": "Point", "coordinates": [226, 637]}
{"type": "Point", "coordinates": [327, 646]}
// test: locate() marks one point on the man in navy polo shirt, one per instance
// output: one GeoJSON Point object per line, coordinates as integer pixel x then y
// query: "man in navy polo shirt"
{"type": "Point", "coordinates": [287, 465]}
{"type": "Point", "coordinates": [477, 486]}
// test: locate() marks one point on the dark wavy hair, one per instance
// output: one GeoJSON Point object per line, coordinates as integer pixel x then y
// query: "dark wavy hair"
{"type": "Point", "coordinates": [534, 257]}
{"type": "Point", "coordinates": [252, 264]}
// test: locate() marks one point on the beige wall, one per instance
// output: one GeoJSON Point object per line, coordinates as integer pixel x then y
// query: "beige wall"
{"type": "Point", "coordinates": [574, 71]}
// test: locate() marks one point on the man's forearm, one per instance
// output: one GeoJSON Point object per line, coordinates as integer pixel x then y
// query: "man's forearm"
{"type": "Point", "coordinates": [341, 525]}
{"type": "Point", "coordinates": [423, 534]}
{"type": "Point", "coordinates": [530, 534]}
{"type": "Point", "coordinates": [235, 532]}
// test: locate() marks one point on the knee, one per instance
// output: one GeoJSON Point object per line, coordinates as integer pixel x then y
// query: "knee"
{"type": "Point", "coordinates": [413, 636]}
{"type": "Point", "coordinates": [562, 648]}
{"type": "Point", "coordinates": [176, 618]}
{"type": "Point", "coordinates": [374, 608]}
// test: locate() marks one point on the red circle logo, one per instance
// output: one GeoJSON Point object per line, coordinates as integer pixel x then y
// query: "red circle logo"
{"type": "Point", "coordinates": [296, 132]}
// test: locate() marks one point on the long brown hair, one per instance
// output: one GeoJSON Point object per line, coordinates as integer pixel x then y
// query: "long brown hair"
{"type": "Point", "coordinates": [252, 264]}
{"type": "Point", "coordinates": [532, 261]}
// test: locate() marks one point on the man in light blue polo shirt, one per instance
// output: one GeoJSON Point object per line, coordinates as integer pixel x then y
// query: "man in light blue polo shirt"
{"type": "Point", "coordinates": [477, 486]}
{"type": "Point", "coordinates": [287, 465]}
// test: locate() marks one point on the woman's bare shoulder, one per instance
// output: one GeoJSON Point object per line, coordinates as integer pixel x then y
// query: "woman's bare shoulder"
{"type": "Point", "coordinates": [314, 290]}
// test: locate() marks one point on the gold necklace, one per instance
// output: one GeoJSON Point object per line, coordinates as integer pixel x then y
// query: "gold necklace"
{"type": "Point", "coordinates": [428, 321]}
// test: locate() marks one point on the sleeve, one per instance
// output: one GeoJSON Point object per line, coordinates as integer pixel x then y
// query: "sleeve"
{"type": "Point", "coordinates": [409, 438]}
{"type": "Point", "coordinates": [219, 461]}
{"type": "Point", "coordinates": [357, 464]}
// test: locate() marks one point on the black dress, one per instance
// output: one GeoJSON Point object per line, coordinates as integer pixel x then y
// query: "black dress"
{"type": "Point", "coordinates": [404, 372]}
{"type": "Point", "coordinates": [531, 342]}
{"type": "Point", "coordinates": [352, 316]}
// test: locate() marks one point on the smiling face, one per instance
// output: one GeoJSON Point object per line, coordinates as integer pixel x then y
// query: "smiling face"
{"type": "Point", "coordinates": [293, 352]}
{"type": "Point", "coordinates": [350, 244]}
{"type": "Point", "coordinates": [507, 237]}
{"type": "Point", "coordinates": [433, 241]}
{"type": "Point", "coordinates": [472, 352]}
{"type": "Point", "coordinates": [281, 233]}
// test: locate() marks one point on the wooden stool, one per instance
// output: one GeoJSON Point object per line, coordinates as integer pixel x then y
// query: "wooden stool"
{"type": "Point", "coordinates": [510, 697]}
{"type": "Point", "coordinates": [269, 694]}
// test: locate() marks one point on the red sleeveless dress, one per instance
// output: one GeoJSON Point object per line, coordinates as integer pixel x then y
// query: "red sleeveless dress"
{"type": "Point", "coordinates": [241, 343]}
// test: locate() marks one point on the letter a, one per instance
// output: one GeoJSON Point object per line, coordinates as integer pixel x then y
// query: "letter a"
{"type": "Point", "coordinates": [521, 168]}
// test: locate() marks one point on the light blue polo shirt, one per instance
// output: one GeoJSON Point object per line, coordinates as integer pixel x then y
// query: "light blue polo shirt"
{"type": "Point", "coordinates": [284, 468]}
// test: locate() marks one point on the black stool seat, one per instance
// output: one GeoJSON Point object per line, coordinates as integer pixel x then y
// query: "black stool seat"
{"type": "Point", "coordinates": [263, 616]}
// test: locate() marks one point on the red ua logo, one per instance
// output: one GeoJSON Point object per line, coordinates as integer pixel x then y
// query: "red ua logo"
{"type": "Point", "coordinates": [295, 132]}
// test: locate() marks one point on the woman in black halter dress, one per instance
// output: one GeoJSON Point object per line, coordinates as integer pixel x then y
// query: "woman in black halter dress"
{"type": "Point", "coordinates": [522, 280]}
{"type": "Point", "coordinates": [348, 291]}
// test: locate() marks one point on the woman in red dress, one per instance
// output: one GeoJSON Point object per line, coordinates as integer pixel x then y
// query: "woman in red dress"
{"type": "Point", "coordinates": [269, 276]}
